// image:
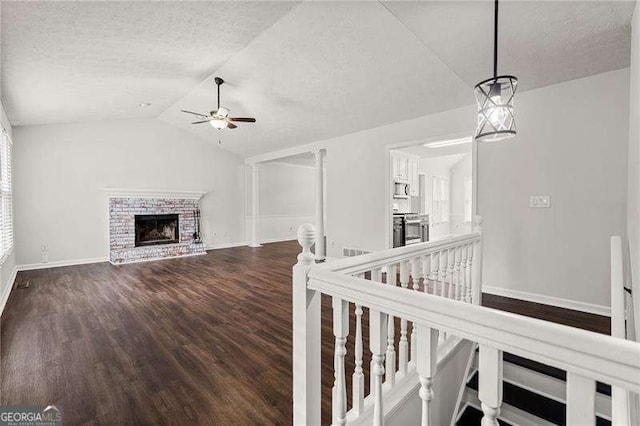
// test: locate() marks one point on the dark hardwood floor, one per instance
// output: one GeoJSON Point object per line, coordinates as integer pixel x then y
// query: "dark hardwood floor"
{"type": "Point", "coordinates": [200, 340]}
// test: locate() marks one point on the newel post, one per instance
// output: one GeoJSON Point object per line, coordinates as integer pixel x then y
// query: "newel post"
{"type": "Point", "coordinates": [476, 266]}
{"type": "Point", "coordinates": [306, 336]}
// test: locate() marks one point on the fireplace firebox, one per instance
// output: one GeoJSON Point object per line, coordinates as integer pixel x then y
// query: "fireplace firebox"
{"type": "Point", "coordinates": [153, 229]}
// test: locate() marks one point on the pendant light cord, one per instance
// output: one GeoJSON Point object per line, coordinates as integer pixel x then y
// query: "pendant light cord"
{"type": "Point", "coordinates": [218, 96]}
{"type": "Point", "coordinates": [495, 40]}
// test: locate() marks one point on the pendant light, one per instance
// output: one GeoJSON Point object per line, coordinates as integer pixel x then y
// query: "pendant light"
{"type": "Point", "coordinates": [494, 97]}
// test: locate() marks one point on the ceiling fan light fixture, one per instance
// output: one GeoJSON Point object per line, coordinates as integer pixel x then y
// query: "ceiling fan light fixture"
{"type": "Point", "coordinates": [494, 97]}
{"type": "Point", "coordinates": [218, 124]}
{"type": "Point", "coordinates": [222, 112]}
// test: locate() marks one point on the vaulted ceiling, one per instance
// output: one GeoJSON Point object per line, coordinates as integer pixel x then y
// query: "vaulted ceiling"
{"type": "Point", "coordinates": [306, 70]}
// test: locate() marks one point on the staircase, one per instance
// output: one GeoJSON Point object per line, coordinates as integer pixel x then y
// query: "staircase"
{"type": "Point", "coordinates": [533, 394]}
{"type": "Point", "coordinates": [438, 357]}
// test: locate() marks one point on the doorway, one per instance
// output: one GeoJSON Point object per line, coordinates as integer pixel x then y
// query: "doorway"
{"type": "Point", "coordinates": [433, 179]}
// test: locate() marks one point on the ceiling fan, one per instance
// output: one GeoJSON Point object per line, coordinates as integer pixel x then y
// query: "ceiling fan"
{"type": "Point", "coordinates": [219, 118]}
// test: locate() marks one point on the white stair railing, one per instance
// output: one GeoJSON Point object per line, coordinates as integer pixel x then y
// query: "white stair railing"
{"type": "Point", "coordinates": [446, 268]}
{"type": "Point", "coordinates": [587, 357]}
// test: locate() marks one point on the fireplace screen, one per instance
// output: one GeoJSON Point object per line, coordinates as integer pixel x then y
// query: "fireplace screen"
{"type": "Point", "coordinates": [152, 229]}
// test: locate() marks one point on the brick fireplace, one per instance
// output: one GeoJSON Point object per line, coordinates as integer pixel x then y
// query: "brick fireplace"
{"type": "Point", "coordinates": [148, 228]}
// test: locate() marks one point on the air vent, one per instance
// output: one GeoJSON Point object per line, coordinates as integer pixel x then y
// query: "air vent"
{"type": "Point", "coordinates": [350, 252]}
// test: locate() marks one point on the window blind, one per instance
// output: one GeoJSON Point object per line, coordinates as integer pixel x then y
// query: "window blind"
{"type": "Point", "coordinates": [6, 196]}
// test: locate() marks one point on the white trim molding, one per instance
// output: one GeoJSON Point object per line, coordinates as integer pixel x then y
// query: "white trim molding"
{"type": "Point", "coordinates": [60, 263]}
{"type": "Point", "coordinates": [548, 300]}
{"type": "Point", "coordinates": [152, 193]}
{"type": "Point", "coordinates": [7, 289]}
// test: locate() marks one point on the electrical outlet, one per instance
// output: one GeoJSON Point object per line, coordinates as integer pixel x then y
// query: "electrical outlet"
{"type": "Point", "coordinates": [540, 201]}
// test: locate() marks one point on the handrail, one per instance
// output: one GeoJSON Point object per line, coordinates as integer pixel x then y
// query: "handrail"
{"type": "Point", "coordinates": [366, 262]}
{"type": "Point", "coordinates": [610, 360]}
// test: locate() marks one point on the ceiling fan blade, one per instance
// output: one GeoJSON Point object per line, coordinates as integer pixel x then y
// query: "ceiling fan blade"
{"type": "Point", "coordinates": [200, 122]}
{"type": "Point", "coordinates": [231, 125]}
{"type": "Point", "coordinates": [243, 119]}
{"type": "Point", "coordinates": [195, 113]}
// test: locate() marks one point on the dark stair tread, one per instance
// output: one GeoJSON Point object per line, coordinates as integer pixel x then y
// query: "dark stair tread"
{"type": "Point", "coordinates": [548, 370]}
{"type": "Point", "coordinates": [538, 405]}
{"type": "Point", "coordinates": [472, 417]}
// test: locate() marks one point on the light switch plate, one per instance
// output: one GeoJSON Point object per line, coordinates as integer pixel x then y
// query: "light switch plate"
{"type": "Point", "coordinates": [540, 201]}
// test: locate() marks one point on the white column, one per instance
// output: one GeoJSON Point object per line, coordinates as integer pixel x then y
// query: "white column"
{"type": "Point", "coordinates": [320, 254]}
{"type": "Point", "coordinates": [254, 205]}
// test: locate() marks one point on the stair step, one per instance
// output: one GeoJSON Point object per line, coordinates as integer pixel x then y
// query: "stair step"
{"type": "Point", "coordinates": [533, 403]}
{"type": "Point", "coordinates": [472, 416]}
{"type": "Point", "coordinates": [554, 372]}
{"type": "Point", "coordinates": [549, 371]}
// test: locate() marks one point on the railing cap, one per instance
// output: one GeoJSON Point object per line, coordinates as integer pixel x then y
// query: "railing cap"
{"type": "Point", "coordinates": [306, 237]}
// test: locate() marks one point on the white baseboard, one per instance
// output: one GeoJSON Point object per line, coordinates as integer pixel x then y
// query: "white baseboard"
{"type": "Point", "coordinates": [8, 287]}
{"type": "Point", "coordinates": [226, 245]}
{"type": "Point", "coordinates": [246, 243]}
{"type": "Point", "coordinates": [59, 263]}
{"type": "Point", "coordinates": [155, 259]}
{"type": "Point", "coordinates": [548, 300]}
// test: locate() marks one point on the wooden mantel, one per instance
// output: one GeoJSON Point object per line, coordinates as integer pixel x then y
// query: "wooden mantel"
{"type": "Point", "coordinates": [152, 193]}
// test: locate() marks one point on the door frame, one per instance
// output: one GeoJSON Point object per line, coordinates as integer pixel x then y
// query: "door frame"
{"type": "Point", "coordinates": [388, 204]}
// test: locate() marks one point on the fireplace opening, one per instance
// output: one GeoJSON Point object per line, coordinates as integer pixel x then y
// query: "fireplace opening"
{"type": "Point", "coordinates": [152, 229]}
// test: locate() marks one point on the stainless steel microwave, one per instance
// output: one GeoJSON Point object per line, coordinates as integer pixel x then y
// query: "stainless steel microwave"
{"type": "Point", "coordinates": [400, 190]}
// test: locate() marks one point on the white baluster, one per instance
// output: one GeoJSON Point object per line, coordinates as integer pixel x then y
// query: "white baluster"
{"type": "Point", "coordinates": [443, 281]}
{"type": "Point", "coordinates": [471, 277]}
{"type": "Point", "coordinates": [451, 256]}
{"type": "Point", "coordinates": [340, 331]}
{"type": "Point", "coordinates": [390, 358]}
{"type": "Point", "coordinates": [458, 260]}
{"type": "Point", "coordinates": [490, 384]}
{"type": "Point", "coordinates": [443, 272]}
{"type": "Point", "coordinates": [377, 343]}
{"type": "Point", "coordinates": [403, 345]}
{"type": "Point", "coordinates": [426, 272]}
{"type": "Point", "coordinates": [581, 397]}
{"type": "Point", "coordinates": [415, 273]}
{"type": "Point", "coordinates": [463, 273]}
{"type": "Point", "coordinates": [426, 367]}
{"type": "Point", "coordinates": [376, 275]}
{"type": "Point", "coordinates": [306, 336]}
{"type": "Point", "coordinates": [358, 375]}
{"type": "Point", "coordinates": [435, 270]}
{"type": "Point", "coordinates": [476, 282]}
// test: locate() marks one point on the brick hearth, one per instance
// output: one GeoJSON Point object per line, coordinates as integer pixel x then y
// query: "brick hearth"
{"type": "Point", "coordinates": [122, 213]}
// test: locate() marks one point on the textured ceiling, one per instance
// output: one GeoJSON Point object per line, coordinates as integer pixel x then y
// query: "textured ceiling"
{"type": "Point", "coordinates": [323, 70]}
{"type": "Point", "coordinates": [540, 42]}
{"type": "Point", "coordinates": [307, 71]}
{"type": "Point", "coordinates": [83, 61]}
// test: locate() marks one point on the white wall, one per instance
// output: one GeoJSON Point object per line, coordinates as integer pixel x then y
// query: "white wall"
{"type": "Point", "coordinates": [571, 144]}
{"type": "Point", "coordinates": [460, 172]}
{"type": "Point", "coordinates": [286, 200]}
{"type": "Point", "coordinates": [59, 170]}
{"type": "Point", "coordinates": [633, 180]}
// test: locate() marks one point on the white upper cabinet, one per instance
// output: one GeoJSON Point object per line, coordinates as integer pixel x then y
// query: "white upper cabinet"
{"type": "Point", "coordinates": [405, 169]}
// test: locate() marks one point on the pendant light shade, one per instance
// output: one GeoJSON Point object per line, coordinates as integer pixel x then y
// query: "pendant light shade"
{"type": "Point", "coordinates": [495, 108]}
{"type": "Point", "coordinates": [494, 97]}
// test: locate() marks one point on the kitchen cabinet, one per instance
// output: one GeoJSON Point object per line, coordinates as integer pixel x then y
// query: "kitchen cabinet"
{"type": "Point", "coordinates": [414, 185]}
{"type": "Point", "coordinates": [405, 169]}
